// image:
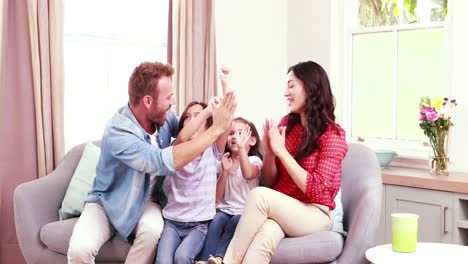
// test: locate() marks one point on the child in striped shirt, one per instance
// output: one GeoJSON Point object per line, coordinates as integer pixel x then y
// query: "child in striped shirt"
{"type": "Point", "coordinates": [190, 192]}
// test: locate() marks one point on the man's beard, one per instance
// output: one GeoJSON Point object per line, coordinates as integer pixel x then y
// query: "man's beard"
{"type": "Point", "coordinates": [159, 121]}
{"type": "Point", "coordinates": [158, 118]}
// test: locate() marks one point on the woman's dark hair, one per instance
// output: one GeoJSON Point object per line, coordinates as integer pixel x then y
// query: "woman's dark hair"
{"type": "Point", "coordinates": [319, 107]}
{"type": "Point", "coordinates": [209, 121]}
{"type": "Point", "coordinates": [255, 149]}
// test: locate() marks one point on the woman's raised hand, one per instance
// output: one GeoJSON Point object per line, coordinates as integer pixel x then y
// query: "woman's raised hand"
{"type": "Point", "coordinates": [266, 138]}
{"type": "Point", "coordinates": [276, 137]}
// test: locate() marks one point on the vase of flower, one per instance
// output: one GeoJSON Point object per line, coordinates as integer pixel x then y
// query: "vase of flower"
{"type": "Point", "coordinates": [435, 121]}
{"type": "Point", "coordinates": [439, 165]}
{"type": "Point", "coordinates": [439, 161]}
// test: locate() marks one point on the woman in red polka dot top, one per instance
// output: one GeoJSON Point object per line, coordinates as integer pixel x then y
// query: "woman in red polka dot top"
{"type": "Point", "coordinates": [302, 165]}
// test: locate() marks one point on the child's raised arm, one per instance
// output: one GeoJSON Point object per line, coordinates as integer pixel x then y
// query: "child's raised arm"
{"type": "Point", "coordinates": [225, 76]}
{"type": "Point", "coordinates": [187, 132]}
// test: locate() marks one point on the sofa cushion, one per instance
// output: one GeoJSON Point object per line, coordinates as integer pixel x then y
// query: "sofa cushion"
{"type": "Point", "coordinates": [80, 183]}
{"type": "Point", "coordinates": [321, 247]}
{"type": "Point", "coordinates": [56, 236]}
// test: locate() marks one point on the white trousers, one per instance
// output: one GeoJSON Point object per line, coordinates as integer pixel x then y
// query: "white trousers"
{"type": "Point", "coordinates": [267, 218]}
{"type": "Point", "coordinates": [93, 229]}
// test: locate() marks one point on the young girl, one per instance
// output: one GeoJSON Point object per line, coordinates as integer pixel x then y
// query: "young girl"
{"type": "Point", "coordinates": [241, 166]}
{"type": "Point", "coordinates": [190, 192]}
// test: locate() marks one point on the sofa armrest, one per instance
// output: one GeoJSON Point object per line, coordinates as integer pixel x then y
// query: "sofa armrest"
{"type": "Point", "coordinates": [363, 229]}
{"type": "Point", "coordinates": [362, 202]}
{"type": "Point", "coordinates": [37, 202]}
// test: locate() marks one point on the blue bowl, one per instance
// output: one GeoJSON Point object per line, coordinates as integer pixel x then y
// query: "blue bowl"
{"type": "Point", "coordinates": [385, 157]}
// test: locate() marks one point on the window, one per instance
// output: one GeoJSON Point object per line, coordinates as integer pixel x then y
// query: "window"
{"type": "Point", "coordinates": [104, 41]}
{"type": "Point", "coordinates": [398, 55]}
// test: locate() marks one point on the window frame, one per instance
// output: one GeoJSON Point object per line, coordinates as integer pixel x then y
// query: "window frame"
{"type": "Point", "coordinates": [411, 153]}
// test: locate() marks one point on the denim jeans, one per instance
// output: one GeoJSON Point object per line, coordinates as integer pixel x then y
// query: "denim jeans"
{"type": "Point", "coordinates": [220, 233]}
{"type": "Point", "coordinates": [181, 242]}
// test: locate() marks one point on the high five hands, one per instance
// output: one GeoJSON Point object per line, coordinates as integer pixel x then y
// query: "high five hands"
{"type": "Point", "coordinates": [222, 109]}
{"type": "Point", "coordinates": [223, 114]}
{"type": "Point", "coordinates": [214, 102]}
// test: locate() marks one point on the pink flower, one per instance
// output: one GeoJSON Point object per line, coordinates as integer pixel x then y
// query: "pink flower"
{"type": "Point", "coordinates": [431, 115]}
{"type": "Point", "coordinates": [423, 112]}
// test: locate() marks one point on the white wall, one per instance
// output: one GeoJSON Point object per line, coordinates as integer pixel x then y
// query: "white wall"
{"type": "Point", "coordinates": [309, 33]}
{"type": "Point", "coordinates": [251, 41]}
{"type": "Point", "coordinates": [309, 30]}
{"type": "Point", "coordinates": [458, 66]}
{"type": "Point", "coordinates": [337, 67]}
{"type": "Point", "coordinates": [259, 39]}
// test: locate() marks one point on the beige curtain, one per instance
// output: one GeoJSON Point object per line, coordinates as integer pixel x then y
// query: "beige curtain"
{"type": "Point", "coordinates": [31, 108]}
{"type": "Point", "coordinates": [46, 35]}
{"type": "Point", "coordinates": [2, 23]}
{"type": "Point", "coordinates": [193, 51]}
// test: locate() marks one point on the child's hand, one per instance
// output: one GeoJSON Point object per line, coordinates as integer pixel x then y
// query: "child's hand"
{"type": "Point", "coordinates": [213, 103]}
{"type": "Point", "coordinates": [244, 137]}
{"type": "Point", "coordinates": [225, 76]}
{"type": "Point", "coordinates": [226, 162]}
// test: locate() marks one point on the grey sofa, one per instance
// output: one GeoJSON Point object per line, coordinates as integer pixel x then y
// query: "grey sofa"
{"type": "Point", "coordinates": [361, 195]}
{"type": "Point", "coordinates": [44, 239]}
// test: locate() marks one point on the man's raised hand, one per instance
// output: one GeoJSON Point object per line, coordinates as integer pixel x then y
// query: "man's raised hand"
{"type": "Point", "coordinates": [224, 114]}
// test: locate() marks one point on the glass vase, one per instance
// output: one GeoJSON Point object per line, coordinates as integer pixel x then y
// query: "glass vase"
{"type": "Point", "coordinates": [439, 165]}
{"type": "Point", "coordinates": [439, 161]}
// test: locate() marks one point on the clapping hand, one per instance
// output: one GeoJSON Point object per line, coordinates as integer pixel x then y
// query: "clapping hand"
{"type": "Point", "coordinates": [226, 162]}
{"type": "Point", "coordinates": [243, 137]}
{"type": "Point", "coordinates": [274, 137]}
{"type": "Point", "coordinates": [266, 138]}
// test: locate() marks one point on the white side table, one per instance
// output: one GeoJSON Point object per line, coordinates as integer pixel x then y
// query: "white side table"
{"type": "Point", "coordinates": [425, 253]}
